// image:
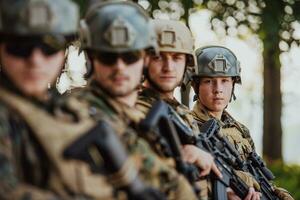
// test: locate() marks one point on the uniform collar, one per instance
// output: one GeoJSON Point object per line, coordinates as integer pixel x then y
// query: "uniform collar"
{"type": "Point", "coordinates": [126, 112]}
{"type": "Point", "coordinates": [201, 113]}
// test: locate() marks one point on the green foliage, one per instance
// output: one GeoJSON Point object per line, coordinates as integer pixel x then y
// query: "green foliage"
{"type": "Point", "coordinates": [288, 177]}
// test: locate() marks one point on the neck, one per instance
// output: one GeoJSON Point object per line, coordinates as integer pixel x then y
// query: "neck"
{"type": "Point", "coordinates": [217, 115]}
{"type": "Point", "coordinates": [42, 96]}
{"type": "Point", "coordinates": [166, 95]}
{"type": "Point", "coordinates": [162, 94]}
{"type": "Point", "coordinates": [129, 99]}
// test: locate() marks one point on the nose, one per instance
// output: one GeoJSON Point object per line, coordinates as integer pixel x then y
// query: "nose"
{"type": "Point", "coordinates": [120, 64]}
{"type": "Point", "coordinates": [168, 64]}
{"type": "Point", "coordinates": [218, 87]}
{"type": "Point", "coordinates": [36, 57]}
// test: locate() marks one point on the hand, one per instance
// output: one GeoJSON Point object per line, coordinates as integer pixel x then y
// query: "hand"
{"type": "Point", "coordinates": [252, 195]}
{"type": "Point", "coordinates": [283, 194]}
{"type": "Point", "coordinates": [201, 159]}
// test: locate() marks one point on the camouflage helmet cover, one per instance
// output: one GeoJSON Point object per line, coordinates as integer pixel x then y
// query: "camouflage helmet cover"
{"type": "Point", "coordinates": [174, 36]}
{"type": "Point", "coordinates": [214, 61]}
{"type": "Point", "coordinates": [117, 26]}
{"type": "Point", "coordinates": [38, 17]}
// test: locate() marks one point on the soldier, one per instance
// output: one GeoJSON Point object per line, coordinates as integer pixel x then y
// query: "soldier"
{"type": "Point", "coordinates": [216, 74]}
{"type": "Point", "coordinates": [33, 133]}
{"type": "Point", "coordinates": [163, 74]}
{"type": "Point", "coordinates": [117, 37]}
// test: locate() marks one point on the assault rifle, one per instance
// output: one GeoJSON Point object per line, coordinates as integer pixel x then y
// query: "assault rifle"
{"type": "Point", "coordinates": [223, 157]}
{"type": "Point", "coordinates": [254, 163]}
{"type": "Point", "coordinates": [160, 116]}
{"type": "Point", "coordinates": [157, 122]}
{"type": "Point", "coordinates": [256, 166]}
{"type": "Point", "coordinates": [103, 151]}
{"type": "Point", "coordinates": [219, 146]}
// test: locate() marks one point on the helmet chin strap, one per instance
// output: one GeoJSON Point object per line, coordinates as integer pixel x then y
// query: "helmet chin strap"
{"type": "Point", "coordinates": [232, 94]}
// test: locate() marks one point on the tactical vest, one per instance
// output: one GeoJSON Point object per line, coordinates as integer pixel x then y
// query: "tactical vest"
{"type": "Point", "coordinates": [236, 133]}
{"type": "Point", "coordinates": [147, 98]}
{"type": "Point", "coordinates": [55, 135]}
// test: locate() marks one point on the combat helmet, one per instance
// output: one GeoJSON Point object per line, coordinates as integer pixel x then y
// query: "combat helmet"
{"type": "Point", "coordinates": [117, 26]}
{"type": "Point", "coordinates": [174, 36]}
{"type": "Point", "coordinates": [214, 61]}
{"type": "Point", "coordinates": [33, 18]}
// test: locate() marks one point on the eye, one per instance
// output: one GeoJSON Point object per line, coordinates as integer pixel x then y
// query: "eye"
{"type": "Point", "coordinates": [206, 81]}
{"type": "Point", "coordinates": [178, 57]}
{"type": "Point", "coordinates": [156, 57]}
{"type": "Point", "coordinates": [226, 80]}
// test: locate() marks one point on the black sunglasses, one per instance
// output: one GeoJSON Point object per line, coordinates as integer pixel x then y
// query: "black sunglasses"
{"type": "Point", "coordinates": [109, 58]}
{"type": "Point", "coordinates": [25, 49]}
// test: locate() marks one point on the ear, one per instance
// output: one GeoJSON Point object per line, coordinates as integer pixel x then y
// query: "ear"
{"type": "Point", "coordinates": [146, 60]}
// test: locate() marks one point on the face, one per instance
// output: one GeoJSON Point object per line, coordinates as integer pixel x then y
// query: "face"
{"type": "Point", "coordinates": [32, 74]}
{"type": "Point", "coordinates": [215, 92]}
{"type": "Point", "coordinates": [119, 78]}
{"type": "Point", "coordinates": [166, 70]}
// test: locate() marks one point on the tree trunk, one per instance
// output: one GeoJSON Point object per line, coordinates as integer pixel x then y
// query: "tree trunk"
{"type": "Point", "coordinates": [272, 104]}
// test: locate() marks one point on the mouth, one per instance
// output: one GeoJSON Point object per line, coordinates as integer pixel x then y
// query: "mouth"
{"type": "Point", "coordinates": [34, 76]}
{"type": "Point", "coordinates": [120, 78]}
{"type": "Point", "coordinates": [218, 99]}
{"type": "Point", "coordinates": [167, 77]}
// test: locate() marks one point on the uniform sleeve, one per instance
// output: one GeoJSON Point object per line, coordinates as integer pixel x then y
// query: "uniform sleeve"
{"type": "Point", "coordinates": [11, 188]}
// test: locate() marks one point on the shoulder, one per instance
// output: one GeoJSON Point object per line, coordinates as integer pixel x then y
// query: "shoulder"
{"type": "Point", "coordinates": [245, 132]}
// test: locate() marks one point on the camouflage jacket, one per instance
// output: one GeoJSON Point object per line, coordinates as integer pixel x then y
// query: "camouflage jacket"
{"type": "Point", "coordinates": [153, 169]}
{"type": "Point", "coordinates": [23, 167]}
{"type": "Point", "coordinates": [27, 168]}
{"type": "Point", "coordinates": [237, 133]}
{"type": "Point", "coordinates": [147, 97]}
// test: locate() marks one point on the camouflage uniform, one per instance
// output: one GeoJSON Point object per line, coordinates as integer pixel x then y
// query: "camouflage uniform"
{"type": "Point", "coordinates": [33, 133]}
{"type": "Point", "coordinates": [30, 150]}
{"type": "Point", "coordinates": [218, 61]}
{"type": "Point", "coordinates": [15, 149]}
{"type": "Point", "coordinates": [236, 132]}
{"type": "Point", "coordinates": [118, 27]}
{"type": "Point", "coordinates": [173, 36]}
{"type": "Point", "coordinates": [154, 170]}
{"type": "Point", "coordinates": [147, 97]}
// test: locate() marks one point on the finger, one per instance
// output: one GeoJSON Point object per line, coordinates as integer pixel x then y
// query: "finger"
{"type": "Point", "coordinates": [248, 197]}
{"type": "Point", "coordinates": [258, 195]}
{"type": "Point", "coordinates": [250, 194]}
{"type": "Point", "coordinates": [216, 170]}
{"type": "Point", "coordinates": [255, 197]}
{"type": "Point", "coordinates": [204, 172]}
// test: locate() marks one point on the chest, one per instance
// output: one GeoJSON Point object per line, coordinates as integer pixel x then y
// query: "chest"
{"type": "Point", "coordinates": [235, 137]}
